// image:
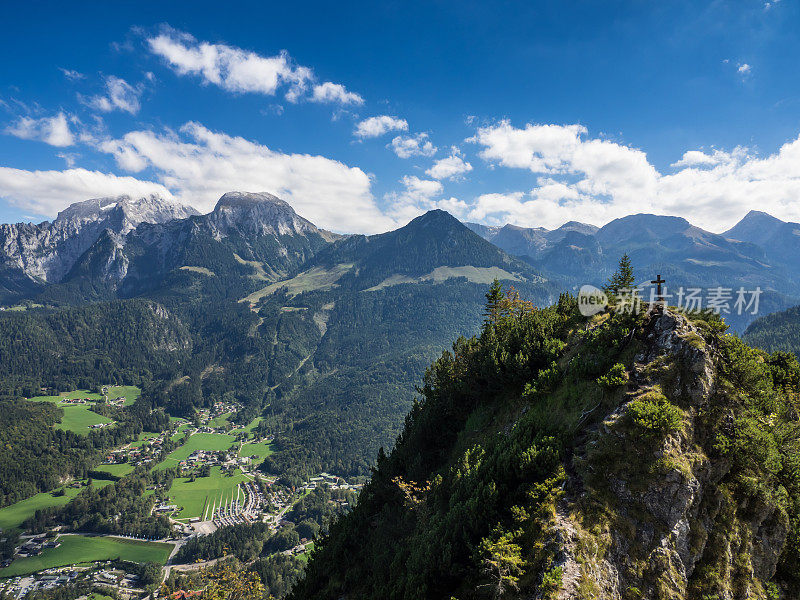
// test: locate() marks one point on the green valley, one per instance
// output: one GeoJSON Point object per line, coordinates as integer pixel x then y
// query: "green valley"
{"type": "Point", "coordinates": [75, 549]}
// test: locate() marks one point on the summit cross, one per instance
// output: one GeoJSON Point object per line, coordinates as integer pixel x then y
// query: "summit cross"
{"type": "Point", "coordinates": [658, 281]}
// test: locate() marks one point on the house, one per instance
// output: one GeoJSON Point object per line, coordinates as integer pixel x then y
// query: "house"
{"type": "Point", "coordinates": [106, 576]}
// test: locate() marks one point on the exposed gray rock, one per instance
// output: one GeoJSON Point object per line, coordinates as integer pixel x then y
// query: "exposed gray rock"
{"type": "Point", "coordinates": [663, 522]}
{"type": "Point", "coordinates": [48, 251]}
{"type": "Point", "coordinates": [257, 214]}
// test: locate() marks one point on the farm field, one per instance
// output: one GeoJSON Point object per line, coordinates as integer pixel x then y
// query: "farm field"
{"type": "Point", "coordinates": [253, 424]}
{"type": "Point", "coordinates": [261, 450]}
{"type": "Point", "coordinates": [79, 418]}
{"type": "Point", "coordinates": [129, 392]}
{"type": "Point", "coordinates": [182, 429]}
{"type": "Point", "coordinates": [221, 420]}
{"type": "Point", "coordinates": [193, 496]}
{"type": "Point", "coordinates": [12, 516]}
{"type": "Point", "coordinates": [75, 549]}
{"type": "Point", "coordinates": [71, 395]}
{"type": "Point", "coordinates": [119, 469]}
{"type": "Point", "coordinates": [199, 441]}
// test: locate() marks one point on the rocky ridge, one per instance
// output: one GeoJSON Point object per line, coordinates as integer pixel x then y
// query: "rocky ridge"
{"type": "Point", "coordinates": [48, 250]}
{"type": "Point", "coordinates": [659, 524]}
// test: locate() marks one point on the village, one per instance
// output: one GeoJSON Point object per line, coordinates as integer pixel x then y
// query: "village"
{"type": "Point", "coordinates": [210, 450]}
{"type": "Point", "coordinates": [108, 577]}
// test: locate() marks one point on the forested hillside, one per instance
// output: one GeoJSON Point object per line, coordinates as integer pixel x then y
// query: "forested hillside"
{"type": "Point", "coordinates": [778, 331]}
{"type": "Point", "coordinates": [78, 347]}
{"type": "Point", "coordinates": [553, 456]}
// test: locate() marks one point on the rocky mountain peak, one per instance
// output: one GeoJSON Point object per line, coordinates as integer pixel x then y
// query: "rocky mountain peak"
{"type": "Point", "coordinates": [757, 227]}
{"type": "Point", "coordinates": [258, 214]}
{"type": "Point", "coordinates": [124, 213]}
{"type": "Point", "coordinates": [583, 228]}
{"type": "Point", "coordinates": [249, 199]}
{"type": "Point", "coordinates": [48, 251]}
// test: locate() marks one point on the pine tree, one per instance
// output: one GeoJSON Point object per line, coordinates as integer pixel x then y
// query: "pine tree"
{"type": "Point", "coordinates": [494, 301]}
{"type": "Point", "coordinates": [623, 279]}
{"type": "Point", "coordinates": [503, 565]}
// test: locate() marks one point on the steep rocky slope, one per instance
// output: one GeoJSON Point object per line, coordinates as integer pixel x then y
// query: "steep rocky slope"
{"type": "Point", "coordinates": [248, 237]}
{"type": "Point", "coordinates": [675, 522]}
{"type": "Point", "coordinates": [47, 251]}
{"type": "Point", "coordinates": [623, 457]}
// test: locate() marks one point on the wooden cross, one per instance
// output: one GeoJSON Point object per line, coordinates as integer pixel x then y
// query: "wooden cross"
{"type": "Point", "coordinates": [658, 281]}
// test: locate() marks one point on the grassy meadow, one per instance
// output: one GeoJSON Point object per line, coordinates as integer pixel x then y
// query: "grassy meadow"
{"type": "Point", "coordinates": [119, 469]}
{"type": "Point", "coordinates": [258, 450]}
{"type": "Point", "coordinates": [192, 497]}
{"type": "Point", "coordinates": [78, 418]}
{"type": "Point", "coordinates": [198, 441]}
{"type": "Point", "coordinates": [13, 515]}
{"type": "Point", "coordinates": [76, 549]}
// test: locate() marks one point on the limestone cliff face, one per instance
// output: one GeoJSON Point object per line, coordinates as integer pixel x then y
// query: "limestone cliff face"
{"type": "Point", "coordinates": [48, 251]}
{"type": "Point", "coordinates": [667, 521]}
{"type": "Point", "coordinates": [104, 242]}
{"type": "Point", "coordinates": [258, 214]}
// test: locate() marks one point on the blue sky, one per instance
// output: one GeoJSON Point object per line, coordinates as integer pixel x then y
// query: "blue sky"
{"type": "Point", "coordinates": [363, 115]}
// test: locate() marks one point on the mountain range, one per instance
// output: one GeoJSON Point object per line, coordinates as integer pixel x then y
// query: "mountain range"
{"type": "Point", "coordinates": [123, 247]}
{"type": "Point", "coordinates": [33, 255]}
{"type": "Point", "coordinates": [760, 251]}
{"type": "Point", "coordinates": [325, 335]}
{"type": "Point", "coordinates": [328, 334]}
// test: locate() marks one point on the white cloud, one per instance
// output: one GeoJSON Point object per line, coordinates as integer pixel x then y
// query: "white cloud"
{"type": "Point", "coordinates": [495, 203]}
{"type": "Point", "coordinates": [334, 92]}
{"type": "Point", "coordinates": [454, 206]}
{"type": "Point", "coordinates": [70, 158]}
{"type": "Point", "coordinates": [417, 197]}
{"type": "Point", "coordinates": [243, 71]}
{"type": "Point", "coordinates": [595, 181]}
{"type": "Point", "coordinates": [48, 192]}
{"type": "Point", "coordinates": [199, 165]}
{"type": "Point", "coordinates": [421, 188]}
{"type": "Point", "coordinates": [380, 125]}
{"type": "Point", "coordinates": [744, 69]}
{"type": "Point", "coordinates": [697, 158]}
{"type": "Point", "coordinates": [230, 68]}
{"type": "Point", "coordinates": [120, 95]}
{"type": "Point", "coordinates": [51, 130]}
{"type": "Point", "coordinates": [413, 145]}
{"type": "Point", "coordinates": [449, 167]}
{"type": "Point", "coordinates": [72, 75]}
